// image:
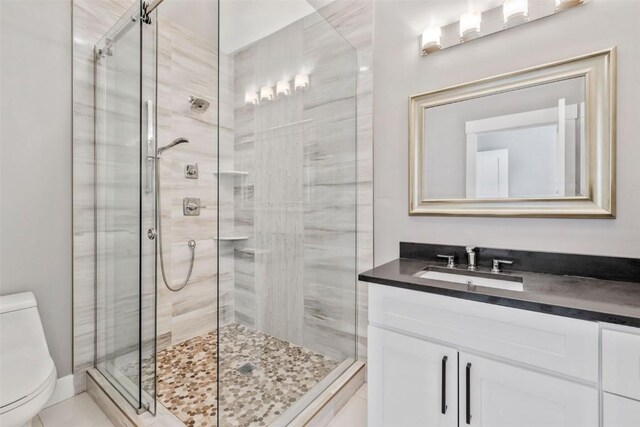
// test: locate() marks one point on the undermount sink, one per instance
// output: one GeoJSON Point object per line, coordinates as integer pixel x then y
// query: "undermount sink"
{"type": "Point", "coordinates": [510, 283]}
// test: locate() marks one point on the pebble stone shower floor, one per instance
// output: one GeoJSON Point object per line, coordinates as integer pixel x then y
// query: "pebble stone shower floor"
{"type": "Point", "coordinates": [261, 376]}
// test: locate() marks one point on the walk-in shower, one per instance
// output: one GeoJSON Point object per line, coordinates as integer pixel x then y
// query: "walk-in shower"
{"type": "Point", "coordinates": [226, 204]}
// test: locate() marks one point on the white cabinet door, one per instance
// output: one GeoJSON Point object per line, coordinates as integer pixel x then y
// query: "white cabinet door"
{"type": "Point", "coordinates": [411, 381]}
{"type": "Point", "coordinates": [495, 394]}
{"type": "Point", "coordinates": [620, 411]}
{"type": "Point", "coordinates": [621, 363]}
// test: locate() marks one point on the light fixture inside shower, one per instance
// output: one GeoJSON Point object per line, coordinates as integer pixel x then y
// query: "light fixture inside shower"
{"type": "Point", "coordinates": [283, 88]}
{"type": "Point", "coordinates": [300, 82]}
{"type": "Point", "coordinates": [251, 98]}
{"type": "Point", "coordinates": [266, 94]}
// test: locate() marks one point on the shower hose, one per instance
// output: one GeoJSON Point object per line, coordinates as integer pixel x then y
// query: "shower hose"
{"type": "Point", "coordinates": [191, 243]}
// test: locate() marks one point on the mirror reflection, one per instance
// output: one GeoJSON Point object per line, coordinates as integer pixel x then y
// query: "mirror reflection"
{"type": "Point", "coordinates": [528, 143]}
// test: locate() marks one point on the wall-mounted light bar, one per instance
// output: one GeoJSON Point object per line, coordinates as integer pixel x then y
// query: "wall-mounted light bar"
{"type": "Point", "coordinates": [474, 24]}
{"type": "Point", "coordinates": [282, 89]}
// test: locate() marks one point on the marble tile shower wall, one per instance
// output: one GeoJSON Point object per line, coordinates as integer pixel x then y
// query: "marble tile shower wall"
{"type": "Point", "coordinates": [300, 215]}
{"type": "Point", "coordinates": [187, 66]}
{"type": "Point", "coordinates": [353, 19]}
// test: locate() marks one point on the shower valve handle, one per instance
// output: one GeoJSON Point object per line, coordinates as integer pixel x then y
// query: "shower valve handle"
{"type": "Point", "coordinates": [152, 233]}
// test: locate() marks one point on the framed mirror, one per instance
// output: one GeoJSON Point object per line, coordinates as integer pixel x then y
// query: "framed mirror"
{"type": "Point", "coordinates": [538, 142]}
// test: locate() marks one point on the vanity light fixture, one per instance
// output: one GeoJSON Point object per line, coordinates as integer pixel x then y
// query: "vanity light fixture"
{"type": "Point", "coordinates": [300, 82]}
{"type": "Point", "coordinates": [266, 93]}
{"type": "Point", "coordinates": [283, 88]}
{"type": "Point", "coordinates": [430, 40]}
{"type": "Point", "coordinates": [562, 5]}
{"type": "Point", "coordinates": [470, 26]}
{"type": "Point", "coordinates": [515, 12]}
{"type": "Point", "coordinates": [251, 98]}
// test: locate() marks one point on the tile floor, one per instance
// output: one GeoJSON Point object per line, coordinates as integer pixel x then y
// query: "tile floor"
{"type": "Point", "coordinates": [354, 413]}
{"type": "Point", "coordinates": [81, 411]}
{"type": "Point", "coordinates": [261, 376]}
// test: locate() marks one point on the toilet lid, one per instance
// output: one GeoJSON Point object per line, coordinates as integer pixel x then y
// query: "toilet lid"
{"type": "Point", "coordinates": [23, 373]}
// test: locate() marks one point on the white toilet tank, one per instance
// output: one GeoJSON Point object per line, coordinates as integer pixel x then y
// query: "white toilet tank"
{"type": "Point", "coordinates": [26, 368]}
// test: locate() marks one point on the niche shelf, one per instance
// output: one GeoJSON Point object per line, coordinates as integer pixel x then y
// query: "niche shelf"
{"type": "Point", "coordinates": [232, 173]}
{"type": "Point", "coordinates": [231, 238]}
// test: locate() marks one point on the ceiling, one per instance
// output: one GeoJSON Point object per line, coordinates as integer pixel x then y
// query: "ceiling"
{"type": "Point", "coordinates": [242, 22]}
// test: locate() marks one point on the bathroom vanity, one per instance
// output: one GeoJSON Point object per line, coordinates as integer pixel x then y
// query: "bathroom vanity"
{"type": "Point", "coordinates": [549, 348]}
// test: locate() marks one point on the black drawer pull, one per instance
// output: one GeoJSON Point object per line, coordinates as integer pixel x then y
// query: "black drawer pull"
{"type": "Point", "coordinates": [468, 392]}
{"type": "Point", "coordinates": [444, 385]}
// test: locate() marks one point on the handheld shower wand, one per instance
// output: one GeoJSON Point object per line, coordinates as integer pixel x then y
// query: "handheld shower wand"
{"type": "Point", "coordinates": [191, 243]}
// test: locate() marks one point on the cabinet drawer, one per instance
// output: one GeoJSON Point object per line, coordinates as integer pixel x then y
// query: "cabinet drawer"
{"type": "Point", "coordinates": [621, 363]}
{"type": "Point", "coordinates": [620, 411]}
{"type": "Point", "coordinates": [559, 344]}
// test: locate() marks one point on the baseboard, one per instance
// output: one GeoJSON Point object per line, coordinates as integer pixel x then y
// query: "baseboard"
{"type": "Point", "coordinates": [64, 390]}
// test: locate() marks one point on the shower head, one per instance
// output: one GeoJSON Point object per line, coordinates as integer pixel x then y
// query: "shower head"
{"type": "Point", "coordinates": [171, 145]}
{"type": "Point", "coordinates": [198, 104]}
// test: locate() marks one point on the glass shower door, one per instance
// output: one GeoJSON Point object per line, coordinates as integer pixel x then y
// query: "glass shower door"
{"type": "Point", "coordinates": [125, 209]}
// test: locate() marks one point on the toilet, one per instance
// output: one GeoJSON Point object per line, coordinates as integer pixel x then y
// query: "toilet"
{"type": "Point", "coordinates": [27, 372]}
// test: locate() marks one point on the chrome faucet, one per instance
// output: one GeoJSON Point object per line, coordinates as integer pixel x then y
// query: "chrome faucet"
{"type": "Point", "coordinates": [496, 265]}
{"type": "Point", "coordinates": [451, 260]}
{"type": "Point", "coordinates": [471, 258]}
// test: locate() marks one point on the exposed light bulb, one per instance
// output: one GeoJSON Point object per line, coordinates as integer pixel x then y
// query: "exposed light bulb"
{"type": "Point", "coordinates": [430, 40]}
{"type": "Point", "coordinates": [266, 93]}
{"type": "Point", "coordinates": [562, 5]}
{"type": "Point", "coordinates": [251, 98]}
{"type": "Point", "coordinates": [515, 12]}
{"type": "Point", "coordinates": [470, 26]}
{"type": "Point", "coordinates": [283, 88]}
{"type": "Point", "coordinates": [300, 82]}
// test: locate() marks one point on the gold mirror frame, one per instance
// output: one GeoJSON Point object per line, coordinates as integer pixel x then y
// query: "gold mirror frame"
{"type": "Point", "coordinates": [599, 71]}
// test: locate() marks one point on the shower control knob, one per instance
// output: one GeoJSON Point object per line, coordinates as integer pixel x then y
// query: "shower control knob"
{"type": "Point", "coordinates": [152, 233]}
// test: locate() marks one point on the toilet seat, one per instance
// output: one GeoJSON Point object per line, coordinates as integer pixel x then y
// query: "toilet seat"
{"type": "Point", "coordinates": [27, 372]}
{"type": "Point", "coordinates": [21, 383]}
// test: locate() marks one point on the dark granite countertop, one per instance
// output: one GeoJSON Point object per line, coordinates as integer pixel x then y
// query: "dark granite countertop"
{"type": "Point", "coordinates": [570, 296]}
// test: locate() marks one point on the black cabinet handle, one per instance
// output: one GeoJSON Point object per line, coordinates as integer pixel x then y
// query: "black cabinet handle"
{"type": "Point", "coordinates": [468, 392]}
{"type": "Point", "coordinates": [444, 385]}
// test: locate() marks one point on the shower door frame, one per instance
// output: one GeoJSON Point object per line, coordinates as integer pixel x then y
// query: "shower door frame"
{"type": "Point", "coordinates": [136, 19]}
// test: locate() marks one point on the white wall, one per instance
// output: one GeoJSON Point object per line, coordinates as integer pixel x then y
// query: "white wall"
{"type": "Point", "coordinates": [35, 162]}
{"type": "Point", "coordinates": [401, 72]}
